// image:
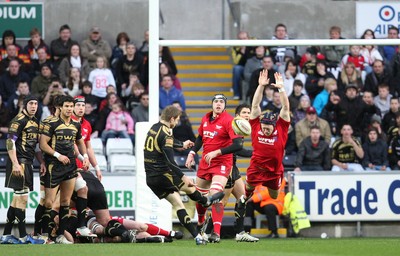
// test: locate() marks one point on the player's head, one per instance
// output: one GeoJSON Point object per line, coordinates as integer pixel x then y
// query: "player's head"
{"type": "Point", "coordinates": [243, 110]}
{"type": "Point", "coordinates": [79, 106]}
{"type": "Point", "coordinates": [268, 123]}
{"type": "Point", "coordinates": [171, 115]}
{"type": "Point", "coordinates": [66, 106]}
{"type": "Point", "coordinates": [218, 103]}
{"type": "Point", "coordinates": [31, 104]}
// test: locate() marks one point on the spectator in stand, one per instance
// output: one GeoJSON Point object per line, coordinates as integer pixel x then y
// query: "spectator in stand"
{"type": "Point", "coordinates": [382, 100]}
{"type": "Point", "coordinates": [89, 97]}
{"type": "Point", "coordinates": [334, 53]}
{"type": "Point", "coordinates": [94, 47]}
{"type": "Point", "coordinates": [347, 152]}
{"type": "Point", "coordinates": [18, 97]}
{"type": "Point", "coordinates": [375, 153]}
{"type": "Point", "coordinates": [378, 76]}
{"type": "Point", "coordinates": [267, 97]}
{"type": "Point", "coordinates": [165, 55]}
{"type": "Point", "coordinates": [291, 74]}
{"type": "Point", "coordinates": [34, 44]}
{"type": "Point", "coordinates": [103, 114]}
{"type": "Point", "coordinates": [370, 52]}
{"type": "Point", "coordinates": [268, 64]}
{"type": "Point", "coordinates": [393, 130]}
{"type": "Point", "coordinates": [280, 53]}
{"type": "Point", "coordinates": [73, 60]}
{"type": "Point", "coordinates": [165, 69]}
{"type": "Point", "coordinates": [253, 63]}
{"type": "Point", "coordinates": [330, 115]}
{"type": "Point", "coordinates": [129, 63]}
{"type": "Point", "coordinates": [314, 153]}
{"type": "Point", "coordinates": [141, 112]}
{"type": "Point", "coordinates": [350, 75]}
{"type": "Point", "coordinates": [74, 84]}
{"type": "Point", "coordinates": [42, 58]}
{"type": "Point", "coordinates": [355, 57]}
{"type": "Point", "coordinates": [323, 97]}
{"type": "Point", "coordinates": [8, 38]}
{"type": "Point", "coordinates": [169, 94]}
{"type": "Point", "coordinates": [394, 144]}
{"type": "Point", "coordinates": [308, 67]}
{"type": "Point", "coordinates": [303, 127]}
{"type": "Point", "coordinates": [90, 115]}
{"type": "Point", "coordinates": [9, 80]}
{"type": "Point", "coordinates": [296, 95]}
{"type": "Point", "coordinates": [376, 122]}
{"type": "Point", "coordinates": [183, 131]}
{"type": "Point", "coordinates": [134, 96]}
{"type": "Point", "coordinates": [275, 105]}
{"type": "Point", "coordinates": [103, 103]}
{"type": "Point", "coordinates": [301, 110]}
{"type": "Point", "coordinates": [134, 82]}
{"type": "Point", "coordinates": [60, 47]}
{"type": "Point", "coordinates": [367, 119]}
{"type": "Point", "coordinates": [101, 77]}
{"type": "Point", "coordinates": [55, 88]}
{"type": "Point", "coordinates": [350, 109]}
{"type": "Point", "coordinates": [240, 55]}
{"type": "Point", "coordinates": [11, 55]}
{"type": "Point", "coordinates": [315, 84]}
{"type": "Point", "coordinates": [119, 124]}
{"type": "Point", "coordinates": [5, 118]}
{"type": "Point", "coordinates": [119, 50]}
{"type": "Point", "coordinates": [40, 84]}
{"type": "Point", "coordinates": [389, 119]}
{"type": "Point", "coordinates": [389, 51]}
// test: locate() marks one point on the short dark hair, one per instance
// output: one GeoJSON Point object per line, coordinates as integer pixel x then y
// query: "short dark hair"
{"type": "Point", "coordinates": [391, 27]}
{"type": "Point", "coordinates": [87, 83]}
{"type": "Point", "coordinates": [64, 27]}
{"type": "Point", "coordinates": [34, 31]}
{"type": "Point", "coordinates": [122, 35]}
{"type": "Point", "coordinates": [240, 107]}
{"type": "Point", "coordinates": [66, 98]}
{"type": "Point", "coordinates": [280, 25]}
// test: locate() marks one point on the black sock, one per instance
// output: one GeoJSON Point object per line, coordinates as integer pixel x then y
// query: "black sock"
{"type": "Point", "coordinates": [114, 228]}
{"type": "Point", "coordinates": [37, 229]}
{"type": "Point", "coordinates": [185, 220]}
{"type": "Point", "coordinates": [52, 224]}
{"type": "Point", "coordinates": [20, 217]}
{"type": "Point", "coordinates": [9, 221]}
{"type": "Point", "coordinates": [197, 197]}
{"type": "Point", "coordinates": [240, 211]}
{"type": "Point", "coordinates": [209, 225]}
{"type": "Point", "coordinates": [64, 213]}
{"type": "Point", "coordinates": [150, 239]}
{"type": "Point", "coordinates": [46, 221]}
{"type": "Point", "coordinates": [81, 204]}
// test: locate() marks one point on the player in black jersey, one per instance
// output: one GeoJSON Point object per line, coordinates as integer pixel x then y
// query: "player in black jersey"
{"type": "Point", "coordinates": [57, 142]}
{"type": "Point", "coordinates": [163, 175]}
{"type": "Point", "coordinates": [21, 143]}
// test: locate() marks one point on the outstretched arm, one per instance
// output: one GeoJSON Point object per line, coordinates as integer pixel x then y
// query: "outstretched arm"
{"type": "Point", "coordinates": [263, 81]}
{"type": "Point", "coordinates": [285, 111]}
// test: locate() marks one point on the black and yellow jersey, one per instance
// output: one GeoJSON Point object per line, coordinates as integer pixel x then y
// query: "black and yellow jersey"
{"type": "Point", "coordinates": [24, 131]}
{"type": "Point", "coordinates": [159, 152]}
{"type": "Point", "coordinates": [62, 136]}
{"type": "Point", "coordinates": [344, 152]}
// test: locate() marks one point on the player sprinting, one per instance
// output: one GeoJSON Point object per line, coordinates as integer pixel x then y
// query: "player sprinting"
{"type": "Point", "coordinates": [163, 175]}
{"type": "Point", "coordinates": [219, 142]}
{"type": "Point", "coordinates": [269, 134]}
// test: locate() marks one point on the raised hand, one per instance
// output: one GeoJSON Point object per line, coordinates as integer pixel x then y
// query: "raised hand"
{"type": "Point", "coordinates": [278, 80]}
{"type": "Point", "coordinates": [263, 78]}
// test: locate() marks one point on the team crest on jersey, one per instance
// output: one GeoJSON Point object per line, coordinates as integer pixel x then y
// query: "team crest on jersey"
{"type": "Point", "coordinates": [218, 127]}
{"type": "Point", "coordinates": [205, 124]}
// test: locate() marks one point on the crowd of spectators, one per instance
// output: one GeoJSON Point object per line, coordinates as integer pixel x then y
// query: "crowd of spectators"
{"type": "Point", "coordinates": [344, 99]}
{"type": "Point", "coordinates": [113, 80]}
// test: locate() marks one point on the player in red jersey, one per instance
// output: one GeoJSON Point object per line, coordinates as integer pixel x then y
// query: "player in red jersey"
{"type": "Point", "coordinates": [269, 134]}
{"type": "Point", "coordinates": [219, 143]}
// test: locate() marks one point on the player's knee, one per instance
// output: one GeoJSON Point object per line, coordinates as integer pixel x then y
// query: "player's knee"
{"type": "Point", "coordinates": [216, 187]}
{"type": "Point", "coordinates": [80, 186]}
{"type": "Point", "coordinates": [143, 227]}
{"type": "Point", "coordinates": [21, 197]}
{"type": "Point", "coordinates": [203, 191]}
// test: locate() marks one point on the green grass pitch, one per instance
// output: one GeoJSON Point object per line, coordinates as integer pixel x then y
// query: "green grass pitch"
{"type": "Point", "coordinates": [227, 247]}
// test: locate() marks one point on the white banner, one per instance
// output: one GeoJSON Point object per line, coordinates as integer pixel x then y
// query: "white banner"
{"type": "Point", "coordinates": [149, 208]}
{"type": "Point", "coordinates": [119, 190]}
{"type": "Point", "coordinates": [377, 16]}
{"type": "Point", "coordinates": [357, 196]}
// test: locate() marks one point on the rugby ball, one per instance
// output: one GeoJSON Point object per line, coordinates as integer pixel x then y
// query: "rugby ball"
{"type": "Point", "coordinates": [241, 126]}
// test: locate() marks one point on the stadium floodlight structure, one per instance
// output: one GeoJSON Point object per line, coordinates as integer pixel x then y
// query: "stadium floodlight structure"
{"type": "Point", "coordinates": [142, 128]}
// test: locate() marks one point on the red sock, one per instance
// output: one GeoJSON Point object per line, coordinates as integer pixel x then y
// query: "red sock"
{"type": "Point", "coordinates": [201, 213]}
{"type": "Point", "coordinates": [154, 230]}
{"type": "Point", "coordinates": [217, 215]}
